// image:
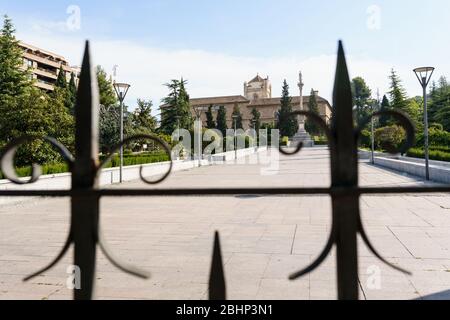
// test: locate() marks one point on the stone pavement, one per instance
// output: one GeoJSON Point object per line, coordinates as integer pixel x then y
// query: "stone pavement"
{"type": "Point", "coordinates": [264, 239]}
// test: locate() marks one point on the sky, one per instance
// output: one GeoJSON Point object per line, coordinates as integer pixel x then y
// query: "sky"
{"type": "Point", "coordinates": [218, 45]}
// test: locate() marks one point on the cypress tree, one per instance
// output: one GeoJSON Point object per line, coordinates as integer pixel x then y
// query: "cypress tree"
{"type": "Point", "coordinates": [385, 105]}
{"type": "Point", "coordinates": [61, 81]}
{"type": "Point", "coordinates": [287, 124]}
{"type": "Point", "coordinates": [184, 107]}
{"type": "Point", "coordinates": [256, 120]}
{"type": "Point", "coordinates": [222, 120]}
{"type": "Point", "coordinates": [313, 106]}
{"type": "Point", "coordinates": [237, 117]}
{"type": "Point", "coordinates": [210, 123]}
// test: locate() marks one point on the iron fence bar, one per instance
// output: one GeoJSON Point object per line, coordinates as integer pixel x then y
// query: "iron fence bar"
{"type": "Point", "coordinates": [226, 192]}
{"type": "Point", "coordinates": [85, 207]}
{"type": "Point", "coordinates": [344, 174]}
{"type": "Point", "coordinates": [217, 287]}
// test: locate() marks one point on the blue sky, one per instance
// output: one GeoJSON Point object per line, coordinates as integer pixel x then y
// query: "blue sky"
{"type": "Point", "coordinates": [217, 45]}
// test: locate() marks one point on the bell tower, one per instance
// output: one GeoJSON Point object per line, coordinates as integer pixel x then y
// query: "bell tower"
{"type": "Point", "coordinates": [258, 88]}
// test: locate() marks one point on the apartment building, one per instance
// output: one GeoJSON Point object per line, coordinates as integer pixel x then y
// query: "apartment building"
{"type": "Point", "coordinates": [45, 66]}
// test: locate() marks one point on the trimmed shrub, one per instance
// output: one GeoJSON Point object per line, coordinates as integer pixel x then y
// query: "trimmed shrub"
{"type": "Point", "coordinates": [389, 138]}
{"type": "Point", "coordinates": [284, 141]}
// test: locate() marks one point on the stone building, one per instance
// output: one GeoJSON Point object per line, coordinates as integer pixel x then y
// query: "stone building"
{"type": "Point", "coordinates": [257, 94]}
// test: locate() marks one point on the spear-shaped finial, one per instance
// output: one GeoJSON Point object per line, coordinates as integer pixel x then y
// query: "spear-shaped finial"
{"type": "Point", "coordinates": [217, 287]}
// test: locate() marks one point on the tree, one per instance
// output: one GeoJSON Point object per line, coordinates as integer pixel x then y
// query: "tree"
{"type": "Point", "coordinates": [72, 92]}
{"type": "Point", "coordinates": [210, 123]}
{"type": "Point", "coordinates": [26, 110]}
{"type": "Point", "coordinates": [14, 80]}
{"type": "Point", "coordinates": [237, 116]}
{"type": "Point", "coordinates": [398, 98]}
{"type": "Point", "coordinates": [63, 92]}
{"type": "Point", "coordinates": [109, 112]}
{"type": "Point", "coordinates": [176, 111]}
{"type": "Point", "coordinates": [108, 96]}
{"type": "Point", "coordinates": [287, 124]}
{"type": "Point", "coordinates": [256, 120]}
{"type": "Point", "coordinates": [142, 116]}
{"type": "Point", "coordinates": [439, 104]}
{"type": "Point", "coordinates": [385, 106]}
{"type": "Point", "coordinates": [61, 81]}
{"type": "Point", "coordinates": [313, 106]}
{"type": "Point", "coordinates": [222, 120]}
{"type": "Point", "coordinates": [109, 127]}
{"type": "Point", "coordinates": [184, 107]}
{"type": "Point", "coordinates": [361, 99]}
{"type": "Point", "coordinates": [38, 114]}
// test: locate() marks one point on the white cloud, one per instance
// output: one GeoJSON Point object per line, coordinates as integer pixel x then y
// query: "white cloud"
{"type": "Point", "coordinates": [214, 74]}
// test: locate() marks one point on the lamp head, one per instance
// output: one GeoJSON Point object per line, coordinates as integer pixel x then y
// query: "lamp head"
{"type": "Point", "coordinates": [121, 89]}
{"type": "Point", "coordinates": [424, 74]}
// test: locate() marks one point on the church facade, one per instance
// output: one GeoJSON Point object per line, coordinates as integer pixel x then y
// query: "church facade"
{"type": "Point", "coordinates": [257, 94]}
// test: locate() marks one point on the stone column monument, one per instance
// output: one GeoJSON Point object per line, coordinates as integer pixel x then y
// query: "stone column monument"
{"type": "Point", "coordinates": [302, 135]}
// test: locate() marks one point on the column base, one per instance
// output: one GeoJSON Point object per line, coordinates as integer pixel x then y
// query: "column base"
{"type": "Point", "coordinates": [303, 136]}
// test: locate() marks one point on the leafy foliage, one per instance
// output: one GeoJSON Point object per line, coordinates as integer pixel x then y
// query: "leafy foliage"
{"type": "Point", "coordinates": [362, 98]}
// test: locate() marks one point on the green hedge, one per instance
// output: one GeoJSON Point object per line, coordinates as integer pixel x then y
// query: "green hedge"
{"type": "Point", "coordinates": [128, 159]}
{"type": "Point", "coordinates": [434, 154]}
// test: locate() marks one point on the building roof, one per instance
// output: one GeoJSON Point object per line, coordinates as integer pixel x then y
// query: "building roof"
{"type": "Point", "coordinates": [276, 101]}
{"type": "Point", "coordinates": [45, 52]}
{"type": "Point", "coordinates": [219, 100]}
{"type": "Point", "coordinates": [257, 79]}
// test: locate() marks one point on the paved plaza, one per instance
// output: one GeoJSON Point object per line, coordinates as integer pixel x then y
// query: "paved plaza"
{"type": "Point", "coordinates": [264, 239]}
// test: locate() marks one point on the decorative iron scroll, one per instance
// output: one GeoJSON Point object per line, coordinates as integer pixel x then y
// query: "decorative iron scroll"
{"type": "Point", "coordinates": [85, 232]}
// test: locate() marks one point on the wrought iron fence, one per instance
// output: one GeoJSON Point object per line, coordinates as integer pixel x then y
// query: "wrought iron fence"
{"type": "Point", "coordinates": [85, 233]}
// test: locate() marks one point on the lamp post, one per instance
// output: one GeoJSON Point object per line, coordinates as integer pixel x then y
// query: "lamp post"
{"type": "Point", "coordinates": [253, 122]}
{"type": "Point", "coordinates": [424, 75]}
{"type": "Point", "coordinates": [372, 127]}
{"type": "Point", "coordinates": [121, 91]}
{"type": "Point", "coordinates": [235, 117]}
{"type": "Point", "coordinates": [198, 133]}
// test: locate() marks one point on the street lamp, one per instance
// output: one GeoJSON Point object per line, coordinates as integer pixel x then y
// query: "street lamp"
{"type": "Point", "coordinates": [235, 118]}
{"type": "Point", "coordinates": [253, 122]}
{"type": "Point", "coordinates": [198, 131]}
{"type": "Point", "coordinates": [424, 75]}
{"type": "Point", "coordinates": [121, 91]}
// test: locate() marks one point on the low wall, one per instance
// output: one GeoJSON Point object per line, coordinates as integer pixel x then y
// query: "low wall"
{"type": "Point", "coordinates": [439, 170]}
{"type": "Point", "coordinates": [111, 175]}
